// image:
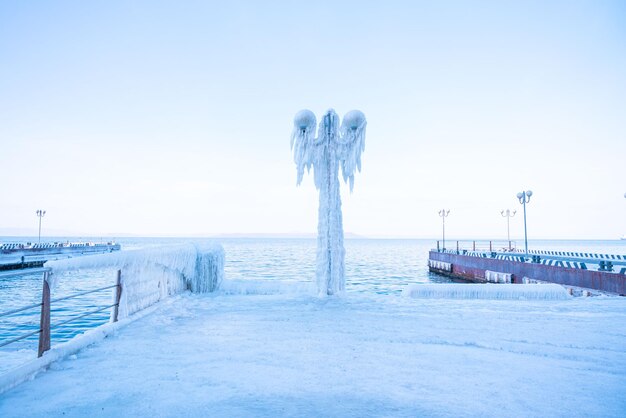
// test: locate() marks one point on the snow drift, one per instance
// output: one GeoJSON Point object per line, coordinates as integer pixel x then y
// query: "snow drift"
{"type": "Point", "coordinates": [486, 291]}
{"type": "Point", "coordinates": [151, 275]}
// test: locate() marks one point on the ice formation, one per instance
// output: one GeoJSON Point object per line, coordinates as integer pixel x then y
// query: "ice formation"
{"type": "Point", "coordinates": [334, 146]}
{"type": "Point", "coordinates": [151, 275]}
{"type": "Point", "coordinates": [266, 287]}
{"type": "Point", "coordinates": [486, 291]}
{"type": "Point", "coordinates": [498, 277]}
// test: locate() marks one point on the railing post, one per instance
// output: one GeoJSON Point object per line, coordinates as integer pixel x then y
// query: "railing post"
{"type": "Point", "coordinates": [457, 247]}
{"type": "Point", "coordinates": [118, 295]}
{"type": "Point", "coordinates": [438, 246]}
{"type": "Point", "coordinates": [473, 245]}
{"type": "Point", "coordinates": [44, 322]}
{"type": "Point", "coordinates": [490, 250]}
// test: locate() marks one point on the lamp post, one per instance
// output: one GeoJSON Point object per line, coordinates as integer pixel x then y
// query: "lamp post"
{"type": "Point", "coordinates": [444, 213]}
{"type": "Point", "coordinates": [326, 149]}
{"type": "Point", "coordinates": [524, 197]}
{"type": "Point", "coordinates": [508, 215]}
{"type": "Point", "coordinates": [40, 214]}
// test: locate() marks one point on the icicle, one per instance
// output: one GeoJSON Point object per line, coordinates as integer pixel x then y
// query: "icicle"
{"type": "Point", "coordinates": [352, 144]}
{"type": "Point", "coordinates": [302, 138]}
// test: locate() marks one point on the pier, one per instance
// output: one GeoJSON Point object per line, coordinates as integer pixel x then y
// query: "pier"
{"type": "Point", "coordinates": [490, 262]}
{"type": "Point", "coordinates": [18, 256]}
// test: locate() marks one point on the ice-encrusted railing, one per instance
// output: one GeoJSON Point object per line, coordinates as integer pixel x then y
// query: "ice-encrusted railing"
{"type": "Point", "coordinates": [151, 275]}
{"type": "Point", "coordinates": [143, 277]}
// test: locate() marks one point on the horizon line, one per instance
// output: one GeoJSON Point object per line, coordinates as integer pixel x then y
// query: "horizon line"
{"type": "Point", "coordinates": [285, 235]}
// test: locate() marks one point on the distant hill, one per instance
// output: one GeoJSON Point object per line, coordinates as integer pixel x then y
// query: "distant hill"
{"type": "Point", "coordinates": [26, 232]}
{"type": "Point", "coordinates": [347, 235]}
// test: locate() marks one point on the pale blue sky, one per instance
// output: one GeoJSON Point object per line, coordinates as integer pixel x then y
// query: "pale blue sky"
{"type": "Point", "coordinates": [174, 117]}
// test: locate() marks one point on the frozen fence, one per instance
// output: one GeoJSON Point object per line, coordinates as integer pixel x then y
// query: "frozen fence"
{"type": "Point", "coordinates": [151, 275]}
{"type": "Point", "coordinates": [487, 291]}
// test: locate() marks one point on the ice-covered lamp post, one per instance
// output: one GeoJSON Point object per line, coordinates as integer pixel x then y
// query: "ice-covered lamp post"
{"type": "Point", "coordinates": [524, 197]}
{"type": "Point", "coordinates": [444, 213]}
{"type": "Point", "coordinates": [40, 214]}
{"type": "Point", "coordinates": [334, 145]}
{"type": "Point", "coordinates": [508, 215]}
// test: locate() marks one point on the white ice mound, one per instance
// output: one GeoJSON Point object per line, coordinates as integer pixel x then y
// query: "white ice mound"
{"type": "Point", "coordinates": [487, 291]}
{"type": "Point", "coordinates": [150, 275]}
{"type": "Point", "coordinates": [266, 287]}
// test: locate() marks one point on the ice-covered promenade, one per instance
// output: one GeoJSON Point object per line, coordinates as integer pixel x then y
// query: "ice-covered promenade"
{"type": "Point", "coordinates": [293, 354]}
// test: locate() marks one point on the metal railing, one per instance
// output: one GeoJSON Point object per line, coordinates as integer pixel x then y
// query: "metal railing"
{"type": "Point", "coordinates": [580, 260]}
{"type": "Point", "coordinates": [46, 303]}
{"type": "Point", "coordinates": [490, 246]}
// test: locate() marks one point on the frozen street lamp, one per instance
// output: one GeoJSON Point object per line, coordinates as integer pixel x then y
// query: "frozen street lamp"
{"type": "Point", "coordinates": [40, 214]}
{"type": "Point", "coordinates": [524, 197]}
{"type": "Point", "coordinates": [508, 215]}
{"type": "Point", "coordinates": [444, 213]}
{"type": "Point", "coordinates": [335, 145]}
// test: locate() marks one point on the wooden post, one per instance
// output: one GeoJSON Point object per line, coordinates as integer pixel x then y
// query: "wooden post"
{"type": "Point", "coordinates": [437, 245]}
{"type": "Point", "coordinates": [473, 245]}
{"type": "Point", "coordinates": [490, 250]}
{"type": "Point", "coordinates": [457, 247]}
{"type": "Point", "coordinates": [44, 324]}
{"type": "Point", "coordinates": [118, 295]}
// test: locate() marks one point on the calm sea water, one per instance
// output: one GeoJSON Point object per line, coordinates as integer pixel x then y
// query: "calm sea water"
{"type": "Point", "coordinates": [372, 266]}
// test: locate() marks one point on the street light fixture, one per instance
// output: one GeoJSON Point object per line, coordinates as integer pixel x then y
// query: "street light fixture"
{"type": "Point", "coordinates": [508, 215]}
{"type": "Point", "coordinates": [444, 213]}
{"type": "Point", "coordinates": [40, 213]}
{"type": "Point", "coordinates": [524, 197]}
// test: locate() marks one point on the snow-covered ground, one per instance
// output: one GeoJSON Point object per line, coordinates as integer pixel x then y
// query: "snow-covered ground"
{"type": "Point", "coordinates": [294, 354]}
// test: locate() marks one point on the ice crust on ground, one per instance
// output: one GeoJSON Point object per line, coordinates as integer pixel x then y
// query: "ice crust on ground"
{"type": "Point", "coordinates": [29, 366]}
{"type": "Point", "coordinates": [151, 275]}
{"type": "Point", "coordinates": [266, 287]}
{"type": "Point", "coordinates": [333, 147]}
{"type": "Point", "coordinates": [548, 291]}
{"type": "Point", "coordinates": [360, 355]}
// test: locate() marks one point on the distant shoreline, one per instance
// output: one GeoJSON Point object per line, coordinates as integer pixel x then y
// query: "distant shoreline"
{"type": "Point", "coordinates": [347, 236]}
